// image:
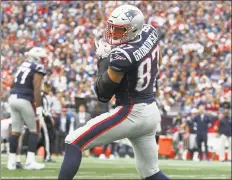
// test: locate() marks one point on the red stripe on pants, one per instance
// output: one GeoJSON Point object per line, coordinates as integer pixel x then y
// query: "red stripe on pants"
{"type": "Point", "coordinates": [83, 146]}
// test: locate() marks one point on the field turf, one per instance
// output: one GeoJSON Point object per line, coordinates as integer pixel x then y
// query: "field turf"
{"type": "Point", "coordinates": [93, 168]}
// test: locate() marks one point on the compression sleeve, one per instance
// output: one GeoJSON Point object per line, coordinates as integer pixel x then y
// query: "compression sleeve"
{"type": "Point", "coordinates": [102, 65]}
{"type": "Point", "coordinates": [105, 87]}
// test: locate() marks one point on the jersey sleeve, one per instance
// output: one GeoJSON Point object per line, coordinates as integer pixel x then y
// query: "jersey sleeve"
{"type": "Point", "coordinates": [40, 69]}
{"type": "Point", "coordinates": [120, 60]}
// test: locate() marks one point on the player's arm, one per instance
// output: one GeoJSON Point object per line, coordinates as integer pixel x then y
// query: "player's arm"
{"type": "Point", "coordinates": [157, 92]}
{"type": "Point", "coordinates": [107, 83]}
{"type": "Point", "coordinates": [40, 72]}
{"type": "Point", "coordinates": [102, 53]}
{"type": "Point", "coordinates": [37, 81]}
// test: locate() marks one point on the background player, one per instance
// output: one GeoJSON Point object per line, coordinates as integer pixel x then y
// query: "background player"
{"type": "Point", "coordinates": [25, 95]}
{"type": "Point", "coordinates": [132, 66]}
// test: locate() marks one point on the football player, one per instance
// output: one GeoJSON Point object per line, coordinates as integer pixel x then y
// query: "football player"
{"type": "Point", "coordinates": [131, 66]}
{"type": "Point", "coordinates": [25, 98]}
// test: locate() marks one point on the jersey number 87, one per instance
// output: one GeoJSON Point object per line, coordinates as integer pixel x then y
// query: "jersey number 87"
{"type": "Point", "coordinates": [144, 70]}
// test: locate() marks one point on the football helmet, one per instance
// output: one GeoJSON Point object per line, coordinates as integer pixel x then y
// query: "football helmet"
{"type": "Point", "coordinates": [37, 54]}
{"type": "Point", "coordinates": [124, 24]}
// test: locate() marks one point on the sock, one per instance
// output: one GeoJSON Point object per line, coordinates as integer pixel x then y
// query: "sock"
{"type": "Point", "coordinates": [32, 142]}
{"type": "Point", "coordinates": [71, 162]}
{"type": "Point", "coordinates": [159, 176]}
{"type": "Point", "coordinates": [18, 158]}
{"type": "Point", "coordinates": [30, 157]}
{"type": "Point", "coordinates": [14, 140]}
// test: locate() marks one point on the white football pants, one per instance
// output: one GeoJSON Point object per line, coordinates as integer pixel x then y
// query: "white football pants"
{"type": "Point", "coordinates": [137, 122]}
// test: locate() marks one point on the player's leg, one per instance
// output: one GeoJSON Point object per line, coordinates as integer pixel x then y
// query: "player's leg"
{"type": "Point", "coordinates": [229, 148]}
{"type": "Point", "coordinates": [51, 135]}
{"type": "Point", "coordinates": [191, 145]}
{"type": "Point", "coordinates": [222, 147]}
{"type": "Point", "coordinates": [17, 124]}
{"type": "Point", "coordinates": [112, 155]}
{"type": "Point", "coordinates": [102, 155]}
{"type": "Point", "coordinates": [98, 131]}
{"type": "Point", "coordinates": [199, 141]}
{"type": "Point", "coordinates": [28, 114]}
{"type": "Point", "coordinates": [47, 142]}
{"type": "Point", "coordinates": [18, 153]}
{"type": "Point", "coordinates": [146, 157]}
{"type": "Point", "coordinates": [205, 140]}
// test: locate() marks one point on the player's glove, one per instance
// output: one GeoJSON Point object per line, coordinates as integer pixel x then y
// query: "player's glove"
{"type": "Point", "coordinates": [103, 49]}
{"type": "Point", "coordinates": [39, 112]}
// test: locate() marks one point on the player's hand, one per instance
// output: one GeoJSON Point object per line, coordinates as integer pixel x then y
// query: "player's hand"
{"type": "Point", "coordinates": [39, 114]}
{"type": "Point", "coordinates": [103, 48]}
{"type": "Point", "coordinates": [41, 122]}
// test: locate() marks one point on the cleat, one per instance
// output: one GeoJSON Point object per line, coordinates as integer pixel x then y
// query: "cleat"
{"type": "Point", "coordinates": [112, 157]}
{"type": "Point", "coordinates": [19, 165]}
{"type": "Point", "coordinates": [11, 166]}
{"type": "Point", "coordinates": [102, 156]}
{"type": "Point", "coordinates": [34, 165]}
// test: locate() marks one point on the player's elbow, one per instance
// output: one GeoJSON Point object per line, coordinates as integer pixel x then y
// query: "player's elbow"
{"type": "Point", "coordinates": [105, 88]}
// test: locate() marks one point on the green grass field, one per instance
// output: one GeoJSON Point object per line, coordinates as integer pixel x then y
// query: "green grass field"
{"type": "Point", "coordinates": [93, 168]}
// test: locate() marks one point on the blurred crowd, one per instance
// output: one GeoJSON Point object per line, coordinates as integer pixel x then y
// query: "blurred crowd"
{"type": "Point", "coordinates": [195, 40]}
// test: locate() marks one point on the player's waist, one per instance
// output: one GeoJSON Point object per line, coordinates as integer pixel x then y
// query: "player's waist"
{"type": "Point", "coordinates": [23, 95]}
{"type": "Point", "coordinates": [22, 91]}
{"type": "Point", "coordinates": [132, 101]}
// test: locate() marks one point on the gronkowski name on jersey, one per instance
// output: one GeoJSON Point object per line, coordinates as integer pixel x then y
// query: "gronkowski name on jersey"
{"type": "Point", "coordinates": [23, 82]}
{"type": "Point", "coordinates": [139, 62]}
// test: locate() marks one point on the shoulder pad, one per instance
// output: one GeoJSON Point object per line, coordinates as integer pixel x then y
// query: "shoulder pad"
{"type": "Point", "coordinates": [149, 28]}
{"type": "Point", "coordinates": [39, 68]}
{"type": "Point", "coordinates": [120, 60]}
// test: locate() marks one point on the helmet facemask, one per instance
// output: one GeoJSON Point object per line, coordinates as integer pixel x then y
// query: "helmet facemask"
{"type": "Point", "coordinates": [117, 34]}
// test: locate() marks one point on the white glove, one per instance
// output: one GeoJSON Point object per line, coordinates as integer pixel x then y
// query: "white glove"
{"type": "Point", "coordinates": [103, 48]}
{"type": "Point", "coordinates": [39, 112]}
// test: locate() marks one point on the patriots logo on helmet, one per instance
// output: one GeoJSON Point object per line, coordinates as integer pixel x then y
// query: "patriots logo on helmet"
{"type": "Point", "coordinates": [131, 14]}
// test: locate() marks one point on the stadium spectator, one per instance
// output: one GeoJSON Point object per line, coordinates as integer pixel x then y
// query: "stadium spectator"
{"type": "Point", "coordinates": [224, 131]}
{"type": "Point", "coordinates": [62, 129]}
{"type": "Point", "coordinates": [203, 122]}
{"type": "Point", "coordinates": [191, 133]}
{"type": "Point", "coordinates": [82, 117]}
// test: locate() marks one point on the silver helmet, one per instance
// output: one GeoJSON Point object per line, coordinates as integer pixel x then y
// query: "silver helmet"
{"type": "Point", "coordinates": [124, 24]}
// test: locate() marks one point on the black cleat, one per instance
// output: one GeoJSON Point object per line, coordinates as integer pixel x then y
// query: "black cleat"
{"type": "Point", "coordinates": [19, 165]}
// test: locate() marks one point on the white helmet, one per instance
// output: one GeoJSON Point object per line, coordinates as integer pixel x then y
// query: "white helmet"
{"type": "Point", "coordinates": [37, 54]}
{"type": "Point", "coordinates": [124, 24]}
